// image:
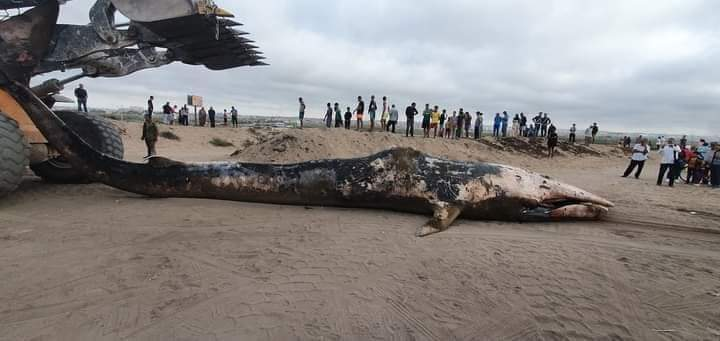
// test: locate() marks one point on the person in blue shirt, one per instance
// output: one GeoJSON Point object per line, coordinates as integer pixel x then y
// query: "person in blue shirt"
{"type": "Point", "coordinates": [496, 125]}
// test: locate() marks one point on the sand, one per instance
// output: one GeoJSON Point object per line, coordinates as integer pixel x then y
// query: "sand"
{"type": "Point", "coordinates": [88, 262]}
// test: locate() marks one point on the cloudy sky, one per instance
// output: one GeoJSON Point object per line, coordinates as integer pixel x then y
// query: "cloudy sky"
{"type": "Point", "coordinates": [631, 65]}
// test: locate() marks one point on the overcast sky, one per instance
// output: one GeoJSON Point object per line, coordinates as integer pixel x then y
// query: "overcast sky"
{"type": "Point", "coordinates": [630, 65]}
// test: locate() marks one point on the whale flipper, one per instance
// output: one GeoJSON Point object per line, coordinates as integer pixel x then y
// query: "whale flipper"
{"type": "Point", "coordinates": [443, 216]}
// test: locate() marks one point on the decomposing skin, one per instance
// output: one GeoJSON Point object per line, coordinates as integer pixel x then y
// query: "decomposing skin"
{"type": "Point", "coordinates": [398, 179]}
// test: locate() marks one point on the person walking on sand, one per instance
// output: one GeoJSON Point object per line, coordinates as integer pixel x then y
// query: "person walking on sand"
{"type": "Point", "coordinates": [149, 135]}
{"type": "Point", "coordinates": [301, 112]}
{"type": "Point", "coordinates": [427, 113]}
{"type": "Point", "coordinates": [385, 114]}
{"type": "Point", "coordinates": [670, 154]}
{"type": "Point", "coordinates": [328, 116]}
{"type": "Point", "coordinates": [410, 113]}
{"type": "Point", "coordinates": [372, 110]}
{"type": "Point", "coordinates": [468, 124]}
{"type": "Point", "coordinates": [573, 132]}
{"type": "Point", "coordinates": [234, 117]}
{"type": "Point", "coordinates": [435, 121]}
{"type": "Point", "coordinates": [393, 118]}
{"type": "Point", "coordinates": [639, 155]}
{"type": "Point", "coordinates": [338, 116]}
{"type": "Point", "coordinates": [552, 142]}
{"type": "Point", "coordinates": [81, 95]}
{"type": "Point", "coordinates": [478, 125]}
{"type": "Point", "coordinates": [360, 113]}
{"type": "Point", "coordinates": [348, 118]}
{"type": "Point", "coordinates": [595, 130]}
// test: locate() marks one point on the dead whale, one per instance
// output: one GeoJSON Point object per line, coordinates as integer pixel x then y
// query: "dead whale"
{"type": "Point", "coordinates": [398, 179]}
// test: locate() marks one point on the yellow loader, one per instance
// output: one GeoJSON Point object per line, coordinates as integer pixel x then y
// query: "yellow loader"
{"type": "Point", "coordinates": [156, 33]}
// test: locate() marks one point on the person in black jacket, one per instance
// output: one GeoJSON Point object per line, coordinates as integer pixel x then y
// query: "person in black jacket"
{"type": "Point", "coordinates": [211, 116]}
{"type": "Point", "coordinates": [82, 96]}
{"type": "Point", "coordinates": [410, 114]}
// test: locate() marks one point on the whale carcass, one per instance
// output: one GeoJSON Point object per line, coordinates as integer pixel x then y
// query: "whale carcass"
{"type": "Point", "coordinates": [398, 179]}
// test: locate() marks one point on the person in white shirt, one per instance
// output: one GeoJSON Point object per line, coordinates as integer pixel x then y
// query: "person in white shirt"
{"type": "Point", "coordinates": [639, 156]}
{"type": "Point", "coordinates": [669, 154]}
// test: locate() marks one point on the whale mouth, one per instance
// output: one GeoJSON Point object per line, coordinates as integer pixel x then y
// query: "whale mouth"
{"type": "Point", "coordinates": [567, 210]}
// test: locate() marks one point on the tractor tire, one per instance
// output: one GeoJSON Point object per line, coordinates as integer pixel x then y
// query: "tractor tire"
{"type": "Point", "coordinates": [97, 131]}
{"type": "Point", "coordinates": [14, 155]}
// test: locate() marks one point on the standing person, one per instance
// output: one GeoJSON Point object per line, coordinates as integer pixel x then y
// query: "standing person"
{"type": "Point", "coordinates": [552, 142]}
{"type": "Point", "coordinates": [683, 142]}
{"type": "Point", "coordinates": [348, 118]}
{"type": "Point", "coordinates": [573, 132]}
{"type": "Point", "coordinates": [468, 124]}
{"type": "Point", "coordinates": [658, 143]}
{"type": "Point", "coordinates": [435, 121]}
{"type": "Point", "coordinates": [202, 117]}
{"type": "Point", "coordinates": [715, 168]}
{"type": "Point", "coordinates": [360, 112]}
{"type": "Point", "coordinates": [516, 126]}
{"type": "Point", "coordinates": [211, 116]}
{"type": "Point", "coordinates": [450, 126]}
{"type": "Point", "coordinates": [150, 106]}
{"type": "Point", "coordinates": [588, 135]}
{"type": "Point", "coordinates": [523, 124]}
{"type": "Point", "coordinates": [595, 130]}
{"type": "Point", "coordinates": [174, 116]}
{"type": "Point", "coordinates": [82, 96]}
{"type": "Point", "coordinates": [504, 123]}
{"type": "Point", "coordinates": [537, 121]}
{"type": "Point", "coordinates": [460, 124]}
{"type": "Point", "coordinates": [478, 125]}
{"type": "Point", "coordinates": [496, 125]}
{"type": "Point", "coordinates": [225, 117]}
{"type": "Point", "coordinates": [639, 155]}
{"type": "Point", "coordinates": [385, 114]}
{"type": "Point", "coordinates": [372, 110]}
{"type": "Point", "coordinates": [234, 117]}
{"type": "Point", "coordinates": [544, 124]}
{"type": "Point", "coordinates": [410, 113]}
{"type": "Point", "coordinates": [669, 155]}
{"type": "Point", "coordinates": [691, 157]}
{"type": "Point", "coordinates": [183, 115]}
{"type": "Point", "coordinates": [443, 118]}
{"type": "Point", "coordinates": [706, 154]}
{"type": "Point", "coordinates": [338, 116]}
{"type": "Point", "coordinates": [328, 116]}
{"type": "Point", "coordinates": [167, 113]}
{"type": "Point", "coordinates": [427, 113]}
{"type": "Point", "coordinates": [301, 112]}
{"type": "Point", "coordinates": [393, 118]}
{"type": "Point", "coordinates": [149, 135]}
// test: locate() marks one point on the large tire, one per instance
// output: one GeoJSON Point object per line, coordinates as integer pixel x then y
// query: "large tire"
{"type": "Point", "coordinates": [14, 155]}
{"type": "Point", "coordinates": [97, 131]}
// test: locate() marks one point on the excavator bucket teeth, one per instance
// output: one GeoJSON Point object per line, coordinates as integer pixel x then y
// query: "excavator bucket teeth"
{"type": "Point", "coordinates": [202, 39]}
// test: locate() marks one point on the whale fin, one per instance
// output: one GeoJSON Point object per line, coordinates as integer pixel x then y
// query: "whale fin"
{"type": "Point", "coordinates": [443, 217]}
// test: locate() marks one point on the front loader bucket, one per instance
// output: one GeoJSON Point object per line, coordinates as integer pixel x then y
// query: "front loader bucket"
{"type": "Point", "coordinates": [24, 41]}
{"type": "Point", "coordinates": [156, 10]}
{"type": "Point", "coordinates": [197, 32]}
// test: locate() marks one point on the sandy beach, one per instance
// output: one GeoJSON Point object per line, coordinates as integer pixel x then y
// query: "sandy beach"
{"type": "Point", "coordinates": [89, 262]}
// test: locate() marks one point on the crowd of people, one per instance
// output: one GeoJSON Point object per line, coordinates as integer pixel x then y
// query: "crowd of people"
{"type": "Point", "coordinates": [699, 163]}
{"type": "Point", "coordinates": [437, 123]}
{"type": "Point", "coordinates": [172, 115]}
